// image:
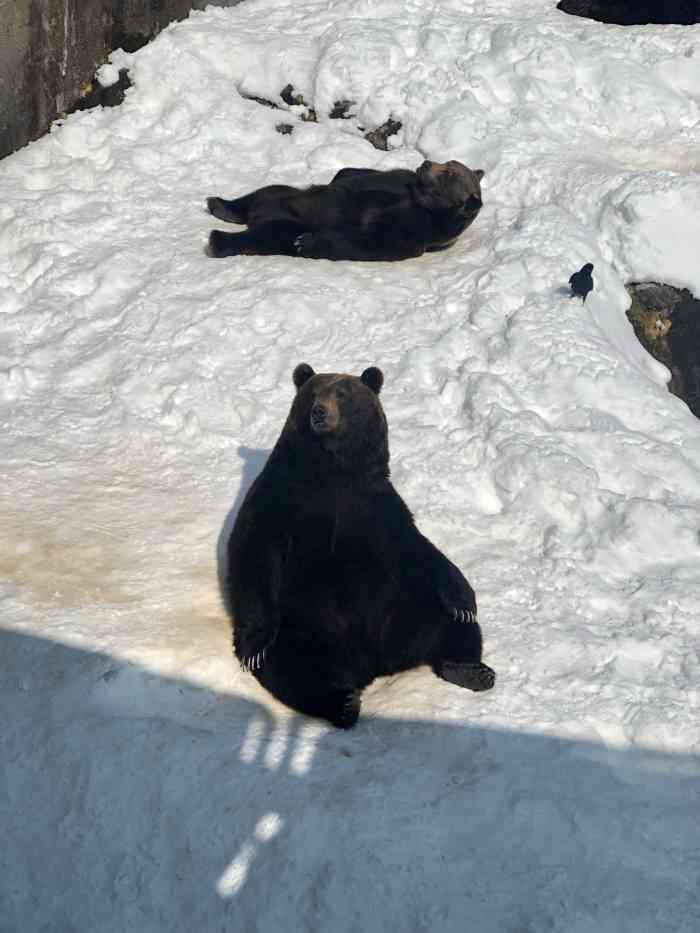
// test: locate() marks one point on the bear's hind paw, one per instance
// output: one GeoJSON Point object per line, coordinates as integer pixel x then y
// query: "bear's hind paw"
{"type": "Point", "coordinates": [347, 711]}
{"type": "Point", "coordinates": [473, 675]}
{"type": "Point", "coordinates": [222, 211]}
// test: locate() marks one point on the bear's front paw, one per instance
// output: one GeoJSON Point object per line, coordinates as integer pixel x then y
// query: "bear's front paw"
{"type": "Point", "coordinates": [312, 246]}
{"type": "Point", "coordinates": [253, 662]}
{"type": "Point", "coordinates": [464, 615]}
{"type": "Point", "coordinates": [304, 245]}
{"type": "Point", "coordinates": [253, 648]}
{"type": "Point", "coordinates": [457, 597]}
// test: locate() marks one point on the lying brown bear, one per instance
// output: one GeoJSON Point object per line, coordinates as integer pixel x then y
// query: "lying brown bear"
{"type": "Point", "coordinates": [362, 214]}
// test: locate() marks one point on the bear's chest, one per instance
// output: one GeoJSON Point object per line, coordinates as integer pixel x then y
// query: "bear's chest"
{"type": "Point", "coordinates": [331, 548]}
{"type": "Point", "coordinates": [335, 534]}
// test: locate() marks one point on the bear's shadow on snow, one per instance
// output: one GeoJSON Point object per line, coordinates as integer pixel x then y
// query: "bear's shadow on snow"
{"type": "Point", "coordinates": [254, 460]}
{"type": "Point", "coordinates": [137, 801]}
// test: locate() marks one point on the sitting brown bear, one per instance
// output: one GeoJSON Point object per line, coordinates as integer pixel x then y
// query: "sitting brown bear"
{"type": "Point", "coordinates": [330, 582]}
{"type": "Point", "coordinates": [362, 214]}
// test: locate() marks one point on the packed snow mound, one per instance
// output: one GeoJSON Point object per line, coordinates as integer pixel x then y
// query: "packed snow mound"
{"type": "Point", "coordinates": [142, 385]}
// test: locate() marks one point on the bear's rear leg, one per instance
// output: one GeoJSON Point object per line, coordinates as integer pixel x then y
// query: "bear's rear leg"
{"type": "Point", "coordinates": [273, 239]}
{"type": "Point", "coordinates": [227, 244]}
{"type": "Point", "coordinates": [340, 709]}
{"type": "Point", "coordinates": [459, 658]}
{"type": "Point", "coordinates": [473, 675]}
{"type": "Point", "coordinates": [233, 212]}
{"type": "Point", "coordinates": [292, 686]}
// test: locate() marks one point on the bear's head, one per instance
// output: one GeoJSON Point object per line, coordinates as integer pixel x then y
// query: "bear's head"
{"type": "Point", "coordinates": [451, 185]}
{"type": "Point", "coordinates": [337, 421]}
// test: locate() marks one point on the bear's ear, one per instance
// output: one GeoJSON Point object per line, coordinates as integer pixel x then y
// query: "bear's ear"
{"type": "Point", "coordinates": [479, 173]}
{"type": "Point", "coordinates": [373, 378]}
{"type": "Point", "coordinates": [302, 374]}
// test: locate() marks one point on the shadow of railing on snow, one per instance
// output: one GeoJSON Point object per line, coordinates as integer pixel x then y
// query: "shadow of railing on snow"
{"type": "Point", "coordinates": [131, 800]}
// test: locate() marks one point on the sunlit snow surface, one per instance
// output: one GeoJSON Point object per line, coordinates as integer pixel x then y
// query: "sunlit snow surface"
{"type": "Point", "coordinates": [146, 783]}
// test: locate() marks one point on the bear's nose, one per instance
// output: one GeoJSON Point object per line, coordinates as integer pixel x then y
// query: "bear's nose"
{"type": "Point", "coordinates": [319, 413]}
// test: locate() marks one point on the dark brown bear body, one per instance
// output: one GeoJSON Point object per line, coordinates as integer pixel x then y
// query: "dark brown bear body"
{"type": "Point", "coordinates": [331, 583]}
{"type": "Point", "coordinates": [362, 214]}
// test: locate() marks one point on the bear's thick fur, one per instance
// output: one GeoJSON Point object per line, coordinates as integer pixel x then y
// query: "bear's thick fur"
{"type": "Point", "coordinates": [362, 214]}
{"type": "Point", "coordinates": [330, 582]}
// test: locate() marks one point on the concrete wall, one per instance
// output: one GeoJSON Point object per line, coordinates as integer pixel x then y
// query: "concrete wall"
{"type": "Point", "coordinates": [49, 48]}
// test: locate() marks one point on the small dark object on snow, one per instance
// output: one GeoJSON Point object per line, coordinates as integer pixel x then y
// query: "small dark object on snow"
{"type": "Point", "coordinates": [380, 137]}
{"type": "Point", "coordinates": [96, 94]}
{"type": "Point", "coordinates": [581, 282]}
{"type": "Point", "coordinates": [634, 12]}
{"type": "Point", "coordinates": [289, 97]}
{"type": "Point", "coordinates": [341, 110]}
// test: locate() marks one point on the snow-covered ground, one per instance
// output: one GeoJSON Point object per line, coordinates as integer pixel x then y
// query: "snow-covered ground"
{"type": "Point", "coordinates": [146, 783]}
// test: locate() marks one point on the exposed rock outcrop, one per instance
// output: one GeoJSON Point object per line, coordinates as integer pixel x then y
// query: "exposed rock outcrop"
{"type": "Point", "coordinates": [666, 321]}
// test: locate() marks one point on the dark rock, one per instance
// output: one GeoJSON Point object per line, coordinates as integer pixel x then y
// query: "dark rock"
{"type": "Point", "coordinates": [341, 110]}
{"type": "Point", "coordinates": [263, 101]}
{"type": "Point", "coordinates": [666, 321]}
{"type": "Point", "coordinates": [292, 100]}
{"type": "Point", "coordinates": [379, 137]}
{"type": "Point", "coordinates": [289, 97]}
{"type": "Point", "coordinates": [297, 100]}
{"type": "Point", "coordinates": [635, 12]}
{"type": "Point", "coordinates": [95, 94]}
{"type": "Point", "coordinates": [655, 296]}
{"type": "Point", "coordinates": [684, 341]}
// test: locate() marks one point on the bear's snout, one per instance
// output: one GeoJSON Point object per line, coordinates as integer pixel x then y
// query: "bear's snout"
{"type": "Point", "coordinates": [318, 412]}
{"type": "Point", "coordinates": [324, 417]}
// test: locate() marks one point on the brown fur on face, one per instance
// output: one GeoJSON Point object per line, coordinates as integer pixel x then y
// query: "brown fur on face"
{"type": "Point", "coordinates": [339, 410]}
{"type": "Point", "coordinates": [331, 398]}
{"type": "Point", "coordinates": [327, 394]}
{"type": "Point", "coordinates": [453, 182]}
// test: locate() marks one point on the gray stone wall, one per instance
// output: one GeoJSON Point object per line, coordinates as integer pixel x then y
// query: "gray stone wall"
{"type": "Point", "coordinates": [49, 48]}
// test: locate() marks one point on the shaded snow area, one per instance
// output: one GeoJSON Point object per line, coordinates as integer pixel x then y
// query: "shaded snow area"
{"type": "Point", "coordinates": [146, 782]}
